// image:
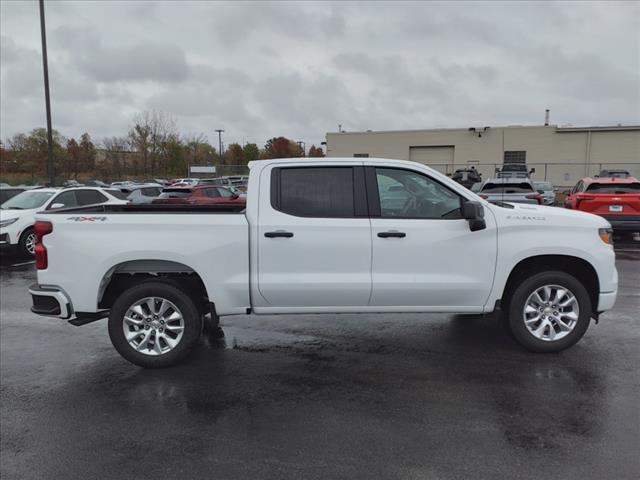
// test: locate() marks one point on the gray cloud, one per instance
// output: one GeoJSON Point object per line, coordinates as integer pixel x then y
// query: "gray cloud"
{"type": "Point", "coordinates": [301, 68]}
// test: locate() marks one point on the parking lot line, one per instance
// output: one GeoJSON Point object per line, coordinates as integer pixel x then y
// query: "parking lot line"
{"type": "Point", "coordinates": [23, 263]}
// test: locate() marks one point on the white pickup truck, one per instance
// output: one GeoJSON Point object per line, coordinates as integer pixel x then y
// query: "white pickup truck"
{"type": "Point", "coordinates": [323, 236]}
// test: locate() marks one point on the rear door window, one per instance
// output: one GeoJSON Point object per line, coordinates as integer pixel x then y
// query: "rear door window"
{"type": "Point", "coordinates": [325, 192]}
{"type": "Point", "coordinates": [89, 197]}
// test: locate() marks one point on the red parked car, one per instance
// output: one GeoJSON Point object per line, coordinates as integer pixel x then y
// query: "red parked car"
{"type": "Point", "coordinates": [199, 195]}
{"type": "Point", "coordinates": [616, 199]}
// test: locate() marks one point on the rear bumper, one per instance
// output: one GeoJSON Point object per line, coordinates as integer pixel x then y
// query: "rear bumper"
{"type": "Point", "coordinates": [624, 222]}
{"type": "Point", "coordinates": [50, 301]}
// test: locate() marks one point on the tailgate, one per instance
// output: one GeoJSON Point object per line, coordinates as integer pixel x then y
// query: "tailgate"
{"type": "Point", "coordinates": [609, 203]}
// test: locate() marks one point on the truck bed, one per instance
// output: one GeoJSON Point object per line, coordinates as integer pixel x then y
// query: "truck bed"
{"type": "Point", "coordinates": [90, 244]}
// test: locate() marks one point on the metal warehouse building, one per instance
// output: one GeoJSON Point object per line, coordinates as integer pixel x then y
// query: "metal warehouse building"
{"type": "Point", "coordinates": [562, 155]}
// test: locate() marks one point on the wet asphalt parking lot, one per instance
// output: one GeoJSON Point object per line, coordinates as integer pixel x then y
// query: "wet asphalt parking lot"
{"type": "Point", "coordinates": [321, 396]}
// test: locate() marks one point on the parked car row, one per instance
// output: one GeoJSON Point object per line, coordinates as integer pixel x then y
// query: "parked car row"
{"type": "Point", "coordinates": [17, 214]}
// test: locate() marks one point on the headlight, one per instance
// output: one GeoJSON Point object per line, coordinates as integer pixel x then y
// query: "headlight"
{"type": "Point", "coordinates": [6, 223]}
{"type": "Point", "coordinates": [606, 235]}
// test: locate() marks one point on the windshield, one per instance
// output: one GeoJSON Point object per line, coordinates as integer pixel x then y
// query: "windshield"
{"type": "Point", "coordinates": [507, 188]}
{"type": "Point", "coordinates": [121, 194]}
{"type": "Point", "coordinates": [175, 193]}
{"type": "Point", "coordinates": [543, 186]}
{"type": "Point", "coordinates": [27, 200]}
{"type": "Point", "coordinates": [613, 188]}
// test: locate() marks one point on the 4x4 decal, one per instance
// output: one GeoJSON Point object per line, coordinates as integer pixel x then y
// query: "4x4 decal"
{"type": "Point", "coordinates": [87, 219]}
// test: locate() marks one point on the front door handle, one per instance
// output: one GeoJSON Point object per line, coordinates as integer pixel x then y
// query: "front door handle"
{"type": "Point", "coordinates": [392, 234]}
{"type": "Point", "coordinates": [278, 233]}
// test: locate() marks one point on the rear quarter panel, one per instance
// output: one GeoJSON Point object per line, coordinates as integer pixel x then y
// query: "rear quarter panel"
{"type": "Point", "coordinates": [82, 250]}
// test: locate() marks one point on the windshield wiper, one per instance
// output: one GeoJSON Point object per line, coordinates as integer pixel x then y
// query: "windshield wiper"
{"type": "Point", "coordinates": [15, 208]}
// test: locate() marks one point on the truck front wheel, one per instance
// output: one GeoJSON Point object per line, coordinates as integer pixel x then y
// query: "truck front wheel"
{"type": "Point", "coordinates": [154, 324]}
{"type": "Point", "coordinates": [549, 311]}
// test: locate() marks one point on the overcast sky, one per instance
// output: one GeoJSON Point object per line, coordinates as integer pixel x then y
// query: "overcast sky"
{"type": "Point", "coordinates": [260, 70]}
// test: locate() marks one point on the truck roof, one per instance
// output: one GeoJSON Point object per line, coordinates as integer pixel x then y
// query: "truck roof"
{"type": "Point", "coordinates": [328, 160]}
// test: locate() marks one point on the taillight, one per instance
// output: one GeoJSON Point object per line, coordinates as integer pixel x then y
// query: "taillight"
{"type": "Point", "coordinates": [580, 198]}
{"type": "Point", "coordinates": [537, 197]}
{"type": "Point", "coordinates": [41, 229]}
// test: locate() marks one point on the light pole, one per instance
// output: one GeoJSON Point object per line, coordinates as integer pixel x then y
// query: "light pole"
{"type": "Point", "coordinates": [220, 143]}
{"type": "Point", "coordinates": [47, 100]}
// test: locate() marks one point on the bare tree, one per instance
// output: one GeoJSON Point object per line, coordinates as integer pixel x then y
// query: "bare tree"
{"type": "Point", "coordinates": [150, 132]}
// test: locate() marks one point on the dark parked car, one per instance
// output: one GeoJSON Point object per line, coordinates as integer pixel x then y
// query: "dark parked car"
{"type": "Point", "coordinates": [466, 176]}
{"type": "Point", "coordinates": [199, 195]}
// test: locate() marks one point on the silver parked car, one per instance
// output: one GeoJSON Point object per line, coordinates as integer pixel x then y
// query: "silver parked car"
{"type": "Point", "coordinates": [513, 190]}
{"type": "Point", "coordinates": [546, 190]}
{"type": "Point", "coordinates": [142, 193]}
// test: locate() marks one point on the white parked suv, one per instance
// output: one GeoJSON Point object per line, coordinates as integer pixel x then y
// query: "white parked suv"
{"type": "Point", "coordinates": [335, 235]}
{"type": "Point", "coordinates": [17, 215]}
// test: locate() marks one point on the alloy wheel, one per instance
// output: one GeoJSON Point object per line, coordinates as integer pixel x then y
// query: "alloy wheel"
{"type": "Point", "coordinates": [153, 326]}
{"type": "Point", "coordinates": [551, 312]}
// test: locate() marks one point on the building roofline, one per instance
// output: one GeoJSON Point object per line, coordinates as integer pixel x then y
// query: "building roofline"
{"type": "Point", "coordinates": [489, 128]}
{"type": "Point", "coordinates": [613, 128]}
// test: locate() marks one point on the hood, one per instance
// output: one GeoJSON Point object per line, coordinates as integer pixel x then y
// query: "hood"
{"type": "Point", "coordinates": [9, 214]}
{"type": "Point", "coordinates": [552, 216]}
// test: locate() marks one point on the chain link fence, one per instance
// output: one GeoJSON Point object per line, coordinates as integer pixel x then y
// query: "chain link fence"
{"type": "Point", "coordinates": [561, 175]}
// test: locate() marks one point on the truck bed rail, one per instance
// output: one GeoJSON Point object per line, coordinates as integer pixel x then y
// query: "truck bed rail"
{"type": "Point", "coordinates": [150, 208]}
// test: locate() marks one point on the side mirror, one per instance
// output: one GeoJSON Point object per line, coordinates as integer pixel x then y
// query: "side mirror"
{"type": "Point", "coordinates": [57, 205]}
{"type": "Point", "coordinates": [473, 212]}
{"type": "Point", "coordinates": [533, 170]}
{"type": "Point", "coordinates": [235, 196]}
{"type": "Point", "coordinates": [541, 192]}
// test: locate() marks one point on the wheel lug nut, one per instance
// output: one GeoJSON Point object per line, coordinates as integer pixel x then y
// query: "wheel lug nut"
{"type": "Point", "coordinates": [153, 331]}
{"type": "Point", "coordinates": [161, 322]}
{"type": "Point", "coordinates": [146, 327]}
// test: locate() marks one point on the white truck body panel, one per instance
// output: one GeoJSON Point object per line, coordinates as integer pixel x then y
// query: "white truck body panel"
{"type": "Point", "coordinates": [331, 264]}
{"type": "Point", "coordinates": [83, 253]}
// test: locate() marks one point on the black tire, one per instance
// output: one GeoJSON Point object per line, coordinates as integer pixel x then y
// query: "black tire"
{"type": "Point", "coordinates": [191, 318]}
{"type": "Point", "coordinates": [23, 243]}
{"type": "Point", "coordinates": [517, 303]}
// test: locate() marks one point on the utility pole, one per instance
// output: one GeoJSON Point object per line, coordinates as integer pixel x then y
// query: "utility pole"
{"type": "Point", "coordinates": [47, 99]}
{"type": "Point", "coordinates": [220, 152]}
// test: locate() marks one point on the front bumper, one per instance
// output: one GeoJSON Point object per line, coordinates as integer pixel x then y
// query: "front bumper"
{"type": "Point", "coordinates": [50, 301]}
{"type": "Point", "coordinates": [606, 301]}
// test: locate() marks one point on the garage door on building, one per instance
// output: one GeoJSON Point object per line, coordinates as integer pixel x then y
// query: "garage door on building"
{"type": "Point", "coordinates": [440, 158]}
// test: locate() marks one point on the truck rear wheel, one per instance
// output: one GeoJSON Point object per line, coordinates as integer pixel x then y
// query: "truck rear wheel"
{"type": "Point", "coordinates": [549, 312]}
{"type": "Point", "coordinates": [154, 324]}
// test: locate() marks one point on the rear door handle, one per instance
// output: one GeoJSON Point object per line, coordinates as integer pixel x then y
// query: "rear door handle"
{"type": "Point", "coordinates": [392, 234]}
{"type": "Point", "coordinates": [278, 233]}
